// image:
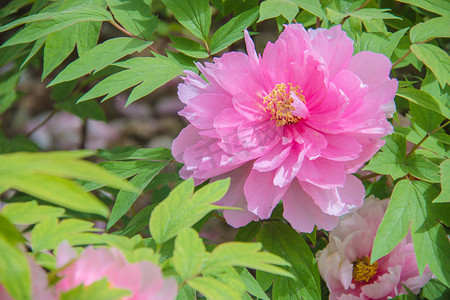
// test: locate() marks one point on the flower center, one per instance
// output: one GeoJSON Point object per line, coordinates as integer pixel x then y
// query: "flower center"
{"type": "Point", "coordinates": [363, 271]}
{"type": "Point", "coordinates": [280, 103]}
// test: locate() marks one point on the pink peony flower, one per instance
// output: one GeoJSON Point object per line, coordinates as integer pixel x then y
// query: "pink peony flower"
{"type": "Point", "coordinates": [292, 124]}
{"type": "Point", "coordinates": [345, 263]}
{"type": "Point", "coordinates": [39, 284]}
{"type": "Point", "coordinates": [143, 279]}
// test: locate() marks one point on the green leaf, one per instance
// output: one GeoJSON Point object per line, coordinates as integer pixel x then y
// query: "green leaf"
{"type": "Point", "coordinates": [246, 255]}
{"type": "Point", "coordinates": [38, 174]}
{"type": "Point", "coordinates": [14, 270]}
{"type": "Point", "coordinates": [214, 289]}
{"type": "Point", "coordinates": [440, 7]}
{"type": "Point", "coordinates": [9, 232]}
{"type": "Point", "coordinates": [137, 222]}
{"type": "Point", "coordinates": [131, 153]}
{"type": "Point", "coordinates": [423, 99]}
{"type": "Point", "coordinates": [148, 73]}
{"type": "Point", "coordinates": [99, 290]}
{"type": "Point", "coordinates": [45, 23]}
{"type": "Point", "coordinates": [273, 8]}
{"type": "Point", "coordinates": [185, 62]}
{"type": "Point", "coordinates": [58, 47]}
{"type": "Point", "coordinates": [444, 196]}
{"type": "Point", "coordinates": [252, 285]}
{"type": "Point", "coordinates": [194, 15]}
{"type": "Point", "coordinates": [378, 42]}
{"type": "Point", "coordinates": [13, 6]}
{"type": "Point", "coordinates": [434, 28]}
{"type": "Point", "coordinates": [87, 37]}
{"type": "Point", "coordinates": [232, 30]}
{"type": "Point", "coordinates": [416, 134]}
{"type": "Point", "coordinates": [436, 59]}
{"type": "Point", "coordinates": [391, 159]}
{"type": "Point", "coordinates": [18, 143]}
{"type": "Point", "coordinates": [189, 47]}
{"type": "Point", "coordinates": [56, 190]}
{"type": "Point", "coordinates": [311, 6]}
{"type": "Point", "coordinates": [181, 209]}
{"type": "Point", "coordinates": [135, 16]}
{"type": "Point", "coordinates": [26, 213]}
{"type": "Point", "coordinates": [395, 224]}
{"type": "Point", "coordinates": [125, 199]}
{"type": "Point", "coordinates": [8, 83]}
{"type": "Point", "coordinates": [122, 169]}
{"type": "Point", "coordinates": [36, 47]}
{"type": "Point", "coordinates": [248, 232]}
{"type": "Point", "coordinates": [281, 239]}
{"type": "Point", "coordinates": [47, 234]}
{"type": "Point", "coordinates": [435, 290]}
{"type": "Point", "coordinates": [84, 110]}
{"type": "Point", "coordinates": [421, 167]}
{"type": "Point", "coordinates": [426, 119]}
{"type": "Point", "coordinates": [431, 243]}
{"type": "Point", "coordinates": [372, 13]}
{"type": "Point", "coordinates": [189, 254]}
{"type": "Point", "coordinates": [59, 163]}
{"type": "Point", "coordinates": [100, 57]}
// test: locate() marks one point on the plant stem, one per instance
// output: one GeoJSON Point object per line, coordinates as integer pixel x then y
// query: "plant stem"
{"type": "Point", "coordinates": [42, 123]}
{"type": "Point", "coordinates": [317, 22]}
{"type": "Point", "coordinates": [425, 138]}
{"type": "Point", "coordinates": [369, 176]}
{"type": "Point", "coordinates": [401, 58]}
{"type": "Point", "coordinates": [360, 7]}
{"type": "Point", "coordinates": [132, 35]}
{"type": "Point", "coordinates": [84, 132]}
{"type": "Point", "coordinates": [407, 53]}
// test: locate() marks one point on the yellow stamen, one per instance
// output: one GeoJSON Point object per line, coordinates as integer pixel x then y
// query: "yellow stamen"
{"type": "Point", "coordinates": [279, 103]}
{"type": "Point", "coordinates": [363, 271]}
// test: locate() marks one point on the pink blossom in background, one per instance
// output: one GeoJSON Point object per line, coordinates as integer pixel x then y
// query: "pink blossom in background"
{"type": "Point", "coordinates": [144, 279]}
{"type": "Point", "coordinates": [345, 263]}
{"type": "Point", "coordinates": [292, 124]}
{"type": "Point", "coordinates": [40, 289]}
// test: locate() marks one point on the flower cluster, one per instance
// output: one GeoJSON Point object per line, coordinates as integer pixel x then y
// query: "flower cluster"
{"type": "Point", "coordinates": [292, 124]}
{"type": "Point", "coordinates": [143, 279]}
{"type": "Point", "coordinates": [345, 262]}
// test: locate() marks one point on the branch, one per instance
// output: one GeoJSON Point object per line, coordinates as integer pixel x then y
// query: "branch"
{"type": "Point", "coordinates": [42, 123]}
{"type": "Point", "coordinates": [132, 35]}
{"type": "Point", "coordinates": [425, 138]}
{"type": "Point", "coordinates": [360, 7]}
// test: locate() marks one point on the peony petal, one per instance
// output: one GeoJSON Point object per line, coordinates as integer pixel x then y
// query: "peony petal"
{"type": "Point", "coordinates": [273, 158]}
{"type": "Point", "coordinates": [302, 213]}
{"type": "Point", "coordinates": [262, 196]}
{"type": "Point", "coordinates": [188, 137]}
{"type": "Point", "coordinates": [233, 74]}
{"type": "Point", "coordinates": [337, 201]}
{"type": "Point", "coordinates": [384, 286]}
{"type": "Point", "coordinates": [341, 148]}
{"type": "Point", "coordinates": [193, 86]}
{"type": "Point", "coordinates": [290, 166]}
{"type": "Point", "coordinates": [335, 47]}
{"type": "Point", "coordinates": [323, 173]}
{"type": "Point", "coordinates": [202, 110]}
{"type": "Point", "coordinates": [235, 197]}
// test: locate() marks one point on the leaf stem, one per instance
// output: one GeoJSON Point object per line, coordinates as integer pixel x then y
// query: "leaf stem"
{"type": "Point", "coordinates": [408, 52]}
{"type": "Point", "coordinates": [369, 176]}
{"type": "Point", "coordinates": [42, 123]}
{"type": "Point", "coordinates": [425, 138]}
{"type": "Point", "coordinates": [132, 35]}
{"type": "Point", "coordinates": [360, 7]}
{"type": "Point", "coordinates": [401, 58]}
